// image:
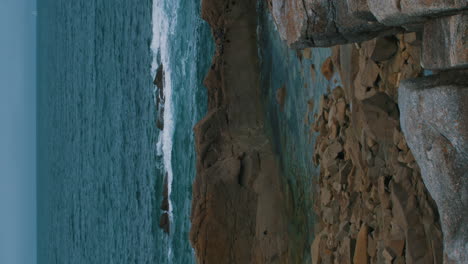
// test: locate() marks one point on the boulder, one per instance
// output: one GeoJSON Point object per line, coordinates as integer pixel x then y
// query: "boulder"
{"type": "Point", "coordinates": [327, 69]}
{"type": "Point", "coordinates": [291, 19]}
{"type": "Point", "coordinates": [281, 96]}
{"type": "Point", "coordinates": [445, 43]}
{"type": "Point", "coordinates": [360, 9]}
{"type": "Point", "coordinates": [403, 12]}
{"type": "Point", "coordinates": [321, 23]}
{"type": "Point", "coordinates": [434, 120]}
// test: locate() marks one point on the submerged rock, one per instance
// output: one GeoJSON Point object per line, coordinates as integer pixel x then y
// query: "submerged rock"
{"type": "Point", "coordinates": [160, 96]}
{"type": "Point", "coordinates": [434, 119]}
{"type": "Point", "coordinates": [327, 69]}
{"type": "Point", "coordinates": [281, 96]}
{"type": "Point", "coordinates": [164, 222]}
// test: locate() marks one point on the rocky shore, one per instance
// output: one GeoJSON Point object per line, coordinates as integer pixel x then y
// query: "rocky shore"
{"type": "Point", "coordinates": [390, 140]}
{"type": "Point", "coordinates": [373, 205]}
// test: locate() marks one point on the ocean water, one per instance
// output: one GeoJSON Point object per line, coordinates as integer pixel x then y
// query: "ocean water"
{"type": "Point", "coordinates": [102, 159]}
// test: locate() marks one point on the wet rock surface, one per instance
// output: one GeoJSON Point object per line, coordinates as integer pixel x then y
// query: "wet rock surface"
{"type": "Point", "coordinates": [160, 97]}
{"type": "Point", "coordinates": [164, 222]}
{"type": "Point", "coordinates": [372, 205]}
{"type": "Point", "coordinates": [435, 122]}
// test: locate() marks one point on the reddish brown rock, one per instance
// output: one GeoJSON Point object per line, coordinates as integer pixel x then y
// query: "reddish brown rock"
{"type": "Point", "coordinates": [315, 250]}
{"type": "Point", "coordinates": [397, 246]}
{"type": "Point", "coordinates": [240, 207]}
{"type": "Point", "coordinates": [281, 96]}
{"type": "Point", "coordinates": [360, 253]}
{"type": "Point", "coordinates": [327, 68]}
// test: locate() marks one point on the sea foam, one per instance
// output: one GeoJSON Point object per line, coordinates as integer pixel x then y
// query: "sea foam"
{"type": "Point", "coordinates": [164, 17]}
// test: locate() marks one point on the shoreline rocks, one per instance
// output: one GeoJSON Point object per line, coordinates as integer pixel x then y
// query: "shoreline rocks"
{"type": "Point", "coordinates": [372, 200]}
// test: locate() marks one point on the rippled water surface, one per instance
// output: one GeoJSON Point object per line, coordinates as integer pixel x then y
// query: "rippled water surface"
{"type": "Point", "coordinates": [102, 159]}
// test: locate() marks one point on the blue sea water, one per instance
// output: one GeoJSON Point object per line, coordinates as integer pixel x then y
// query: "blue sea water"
{"type": "Point", "coordinates": [101, 158]}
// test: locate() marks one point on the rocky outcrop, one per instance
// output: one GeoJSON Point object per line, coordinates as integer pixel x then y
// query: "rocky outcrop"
{"type": "Point", "coordinates": [164, 222]}
{"type": "Point", "coordinates": [434, 118]}
{"type": "Point", "coordinates": [318, 23]}
{"type": "Point", "coordinates": [160, 97]}
{"type": "Point", "coordinates": [239, 210]}
{"type": "Point", "coordinates": [407, 12]}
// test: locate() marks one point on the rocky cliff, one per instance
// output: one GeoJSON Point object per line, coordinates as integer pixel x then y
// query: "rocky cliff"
{"type": "Point", "coordinates": [238, 210]}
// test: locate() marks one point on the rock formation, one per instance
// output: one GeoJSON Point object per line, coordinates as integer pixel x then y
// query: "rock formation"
{"type": "Point", "coordinates": [435, 123]}
{"type": "Point", "coordinates": [239, 210]}
{"type": "Point", "coordinates": [160, 97]}
{"type": "Point", "coordinates": [444, 43]}
{"type": "Point", "coordinates": [164, 222]}
{"type": "Point", "coordinates": [318, 23]}
{"type": "Point", "coordinates": [443, 26]}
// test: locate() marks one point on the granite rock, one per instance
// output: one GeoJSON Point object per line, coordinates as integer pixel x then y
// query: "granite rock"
{"type": "Point", "coordinates": [445, 43]}
{"type": "Point", "coordinates": [434, 119]}
{"type": "Point", "coordinates": [401, 12]}
{"type": "Point", "coordinates": [319, 23]}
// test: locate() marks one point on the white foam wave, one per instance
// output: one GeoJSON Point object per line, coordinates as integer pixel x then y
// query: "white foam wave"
{"type": "Point", "coordinates": [163, 22]}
